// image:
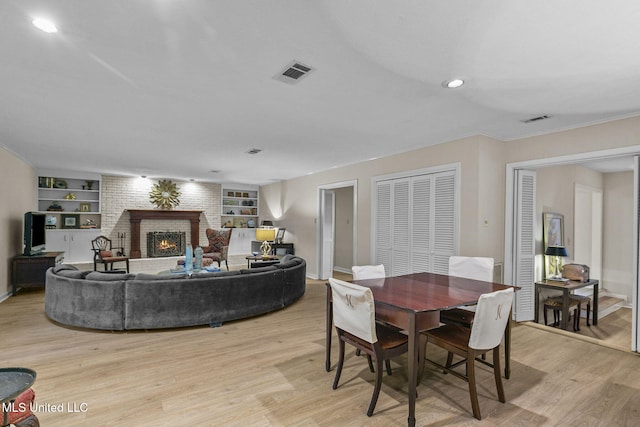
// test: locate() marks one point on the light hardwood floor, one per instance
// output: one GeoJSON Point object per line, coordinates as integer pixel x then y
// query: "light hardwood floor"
{"type": "Point", "coordinates": [269, 371]}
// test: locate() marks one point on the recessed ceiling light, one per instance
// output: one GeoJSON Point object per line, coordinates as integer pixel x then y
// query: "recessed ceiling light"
{"type": "Point", "coordinates": [44, 25]}
{"type": "Point", "coordinates": [452, 84]}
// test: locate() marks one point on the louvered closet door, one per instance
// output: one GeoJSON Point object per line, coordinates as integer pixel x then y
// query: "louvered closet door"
{"type": "Point", "coordinates": [445, 221]}
{"type": "Point", "coordinates": [382, 226]}
{"type": "Point", "coordinates": [422, 225]}
{"type": "Point", "coordinates": [525, 244]}
{"type": "Point", "coordinates": [418, 215]}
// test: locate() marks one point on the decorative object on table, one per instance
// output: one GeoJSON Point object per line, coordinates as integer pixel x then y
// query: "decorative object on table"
{"type": "Point", "coordinates": [51, 221]}
{"type": "Point", "coordinates": [552, 235]}
{"type": "Point", "coordinates": [197, 255]}
{"type": "Point", "coordinates": [165, 194]}
{"type": "Point", "coordinates": [89, 185]}
{"type": "Point", "coordinates": [188, 259]}
{"type": "Point", "coordinates": [577, 272]}
{"type": "Point", "coordinates": [70, 196]}
{"type": "Point", "coordinates": [280, 235]}
{"type": "Point", "coordinates": [85, 207]}
{"type": "Point", "coordinates": [60, 183]}
{"type": "Point", "coordinates": [70, 221]}
{"type": "Point", "coordinates": [557, 252]}
{"type": "Point", "coordinates": [55, 206]}
{"type": "Point", "coordinates": [266, 235]}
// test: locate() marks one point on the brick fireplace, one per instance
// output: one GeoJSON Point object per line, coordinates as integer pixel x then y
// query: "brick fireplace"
{"type": "Point", "coordinates": [137, 215]}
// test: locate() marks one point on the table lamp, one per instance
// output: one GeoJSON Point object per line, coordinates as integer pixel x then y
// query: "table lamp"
{"type": "Point", "coordinates": [266, 235]}
{"type": "Point", "coordinates": [557, 252]}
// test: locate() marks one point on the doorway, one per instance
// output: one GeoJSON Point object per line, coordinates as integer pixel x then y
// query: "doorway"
{"type": "Point", "coordinates": [513, 219]}
{"type": "Point", "coordinates": [337, 216]}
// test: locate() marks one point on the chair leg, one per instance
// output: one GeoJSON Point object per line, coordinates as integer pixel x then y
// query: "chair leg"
{"type": "Point", "coordinates": [371, 368]}
{"type": "Point", "coordinates": [376, 388]}
{"type": "Point", "coordinates": [496, 373]}
{"type": "Point", "coordinates": [544, 314]}
{"type": "Point", "coordinates": [588, 312]}
{"type": "Point", "coordinates": [471, 376]}
{"type": "Point", "coordinates": [576, 318]}
{"type": "Point", "coordinates": [127, 261]}
{"type": "Point", "coordinates": [340, 363]}
{"type": "Point", "coordinates": [388, 363]}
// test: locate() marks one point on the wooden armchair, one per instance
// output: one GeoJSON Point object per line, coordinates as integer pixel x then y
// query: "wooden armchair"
{"type": "Point", "coordinates": [218, 248]}
{"type": "Point", "coordinates": [103, 254]}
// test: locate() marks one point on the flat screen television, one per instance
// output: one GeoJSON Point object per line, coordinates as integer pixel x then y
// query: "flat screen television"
{"type": "Point", "coordinates": [34, 233]}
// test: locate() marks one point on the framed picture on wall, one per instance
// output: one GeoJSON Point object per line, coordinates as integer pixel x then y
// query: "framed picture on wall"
{"type": "Point", "coordinates": [553, 229]}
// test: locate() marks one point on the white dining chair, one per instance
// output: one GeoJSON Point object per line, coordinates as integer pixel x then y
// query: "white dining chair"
{"type": "Point", "coordinates": [486, 332]}
{"type": "Point", "coordinates": [354, 320]}
{"type": "Point", "coordinates": [364, 272]}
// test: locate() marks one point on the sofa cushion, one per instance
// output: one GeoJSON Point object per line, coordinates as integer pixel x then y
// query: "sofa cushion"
{"type": "Point", "coordinates": [73, 274]}
{"type": "Point", "coordinates": [149, 276]}
{"type": "Point", "coordinates": [258, 270]}
{"type": "Point", "coordinates": [109, 277]}
{"type": "Point", "coordinates": [61, 267]}
{"type": "Point", "coordinates": [216, 274]}
{"type": "Point", "coordinates": [106, 254]}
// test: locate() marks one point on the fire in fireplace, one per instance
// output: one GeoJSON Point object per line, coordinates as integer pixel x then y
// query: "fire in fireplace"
{"type": "Point", "coordinates": [165, 243]}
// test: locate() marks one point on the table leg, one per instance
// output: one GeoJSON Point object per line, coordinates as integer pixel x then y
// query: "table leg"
{"type": "Point", "coordinates": [595, 304]}
{"type": "Point", "coordinates": [507, 348]}
{"type": "Point", "coordinates": [412, 356]}
{"type": "Point", "coordinates": [329, 324]}
{"type": "Point", "coordinates": [536, 303]}
{"type": "Point", "coordinates": [565, 309]}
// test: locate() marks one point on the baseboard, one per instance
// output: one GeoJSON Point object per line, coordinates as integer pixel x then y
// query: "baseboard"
{"type": "Point", "coordinates": [342, 270]}
{"type": "Point", "coordinates": [4, 296]}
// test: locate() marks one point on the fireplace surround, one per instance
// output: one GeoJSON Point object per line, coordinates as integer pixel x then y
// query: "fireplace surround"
{"type": "Point", "coordinates": [137, 215]}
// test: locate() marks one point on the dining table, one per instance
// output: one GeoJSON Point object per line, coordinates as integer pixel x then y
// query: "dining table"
{"type": "Point", "coordinates": [413, 303]}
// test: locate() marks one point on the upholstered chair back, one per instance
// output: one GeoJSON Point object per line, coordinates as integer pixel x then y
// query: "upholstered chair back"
{"type": "Point", "coordinates": [490, 320]}
{"type": "Point", "coordinates": [354, 309]}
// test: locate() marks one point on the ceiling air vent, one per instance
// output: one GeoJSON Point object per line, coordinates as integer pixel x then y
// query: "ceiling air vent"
{"type": "Point", "coordinates": [536, 119]}
{"type": "Point", "coordinates": [254, 151]}
{"type": "Point", "coordinates": [293, 73]}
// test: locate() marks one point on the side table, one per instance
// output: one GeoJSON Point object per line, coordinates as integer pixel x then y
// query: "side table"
{"type": "Point", "coordinates": [261, 259]}
{"type": "Point", "coordinates": [30, 271]}
{"type": "Point", "coordinates": [13, 381]}
{"type": "Point", "coordinates": [566, 288]}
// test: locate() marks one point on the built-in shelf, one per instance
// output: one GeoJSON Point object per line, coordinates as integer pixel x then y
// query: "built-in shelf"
{"type": "Point", "coordinates": [239, 208]}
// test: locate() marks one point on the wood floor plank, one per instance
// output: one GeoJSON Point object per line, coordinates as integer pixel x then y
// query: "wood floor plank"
{"type": "Point", "coordinates": [269, 371]}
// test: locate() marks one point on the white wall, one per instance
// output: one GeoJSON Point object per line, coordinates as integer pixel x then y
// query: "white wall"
{"type": "Point", "coordinates": [618, 244]}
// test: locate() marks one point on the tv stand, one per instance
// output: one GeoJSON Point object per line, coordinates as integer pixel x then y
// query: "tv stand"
{"type": "Point", "coordinates": [28, 271]}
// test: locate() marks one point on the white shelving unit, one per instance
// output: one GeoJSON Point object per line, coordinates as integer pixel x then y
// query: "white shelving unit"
{"type": "Point", "coordinates": [239, 208]}
{"type": "Point", "coordinates": [72, 195]}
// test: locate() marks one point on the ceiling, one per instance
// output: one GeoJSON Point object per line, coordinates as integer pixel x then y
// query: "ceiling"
{"type": "Point", "coordinates": [183, 89]}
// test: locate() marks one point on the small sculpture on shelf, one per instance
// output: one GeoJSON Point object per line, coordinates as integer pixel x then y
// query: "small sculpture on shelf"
{"type": "Point", "coordinates": [89, 185]}
{"type": "Point", "coordinates": [55, 206]}
{"type": "Point", "coordinates": [70, 196]}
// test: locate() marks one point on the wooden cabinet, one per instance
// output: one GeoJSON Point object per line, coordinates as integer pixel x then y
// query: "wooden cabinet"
{"type": "Point", "coordinates": [75, 243]}
{"type": "Point", "coordinates": [239, 207]}
{"type": "Point", "coordinates": [30, 271]}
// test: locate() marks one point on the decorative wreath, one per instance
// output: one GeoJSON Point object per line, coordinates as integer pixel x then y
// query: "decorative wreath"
{"type": "Point", "coordinates": [165, 194]}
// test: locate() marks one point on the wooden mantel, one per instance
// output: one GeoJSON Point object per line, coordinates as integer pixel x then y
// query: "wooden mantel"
{"type": "Point", "coordinates": [137, 215]}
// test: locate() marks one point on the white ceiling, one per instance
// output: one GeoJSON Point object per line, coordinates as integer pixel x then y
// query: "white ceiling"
{"type": "Point", "coordinates": [178, 88]}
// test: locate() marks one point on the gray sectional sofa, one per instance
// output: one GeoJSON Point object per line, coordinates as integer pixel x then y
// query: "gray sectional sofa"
{"type": "Point", "coordinates": [122, 301]}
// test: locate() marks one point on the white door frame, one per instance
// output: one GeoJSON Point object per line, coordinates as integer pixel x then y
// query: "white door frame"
{"type": "Point", "coordinates": [509, 272]}
{"type": "Point", "coordinates": [321, 221]}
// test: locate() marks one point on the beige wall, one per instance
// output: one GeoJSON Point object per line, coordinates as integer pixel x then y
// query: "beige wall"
{"type": "Point", "coordinates": [18, 197]}
{"type": "Point", "coordinates": [483, 164]}
{"type": "Point", "coordinates": [481, 161]}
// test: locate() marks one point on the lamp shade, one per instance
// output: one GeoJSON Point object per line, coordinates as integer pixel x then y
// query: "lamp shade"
{"type": "Point", "coordinates": [556, 251]}
{"type": "Point", "coordinates": [265, 234]}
